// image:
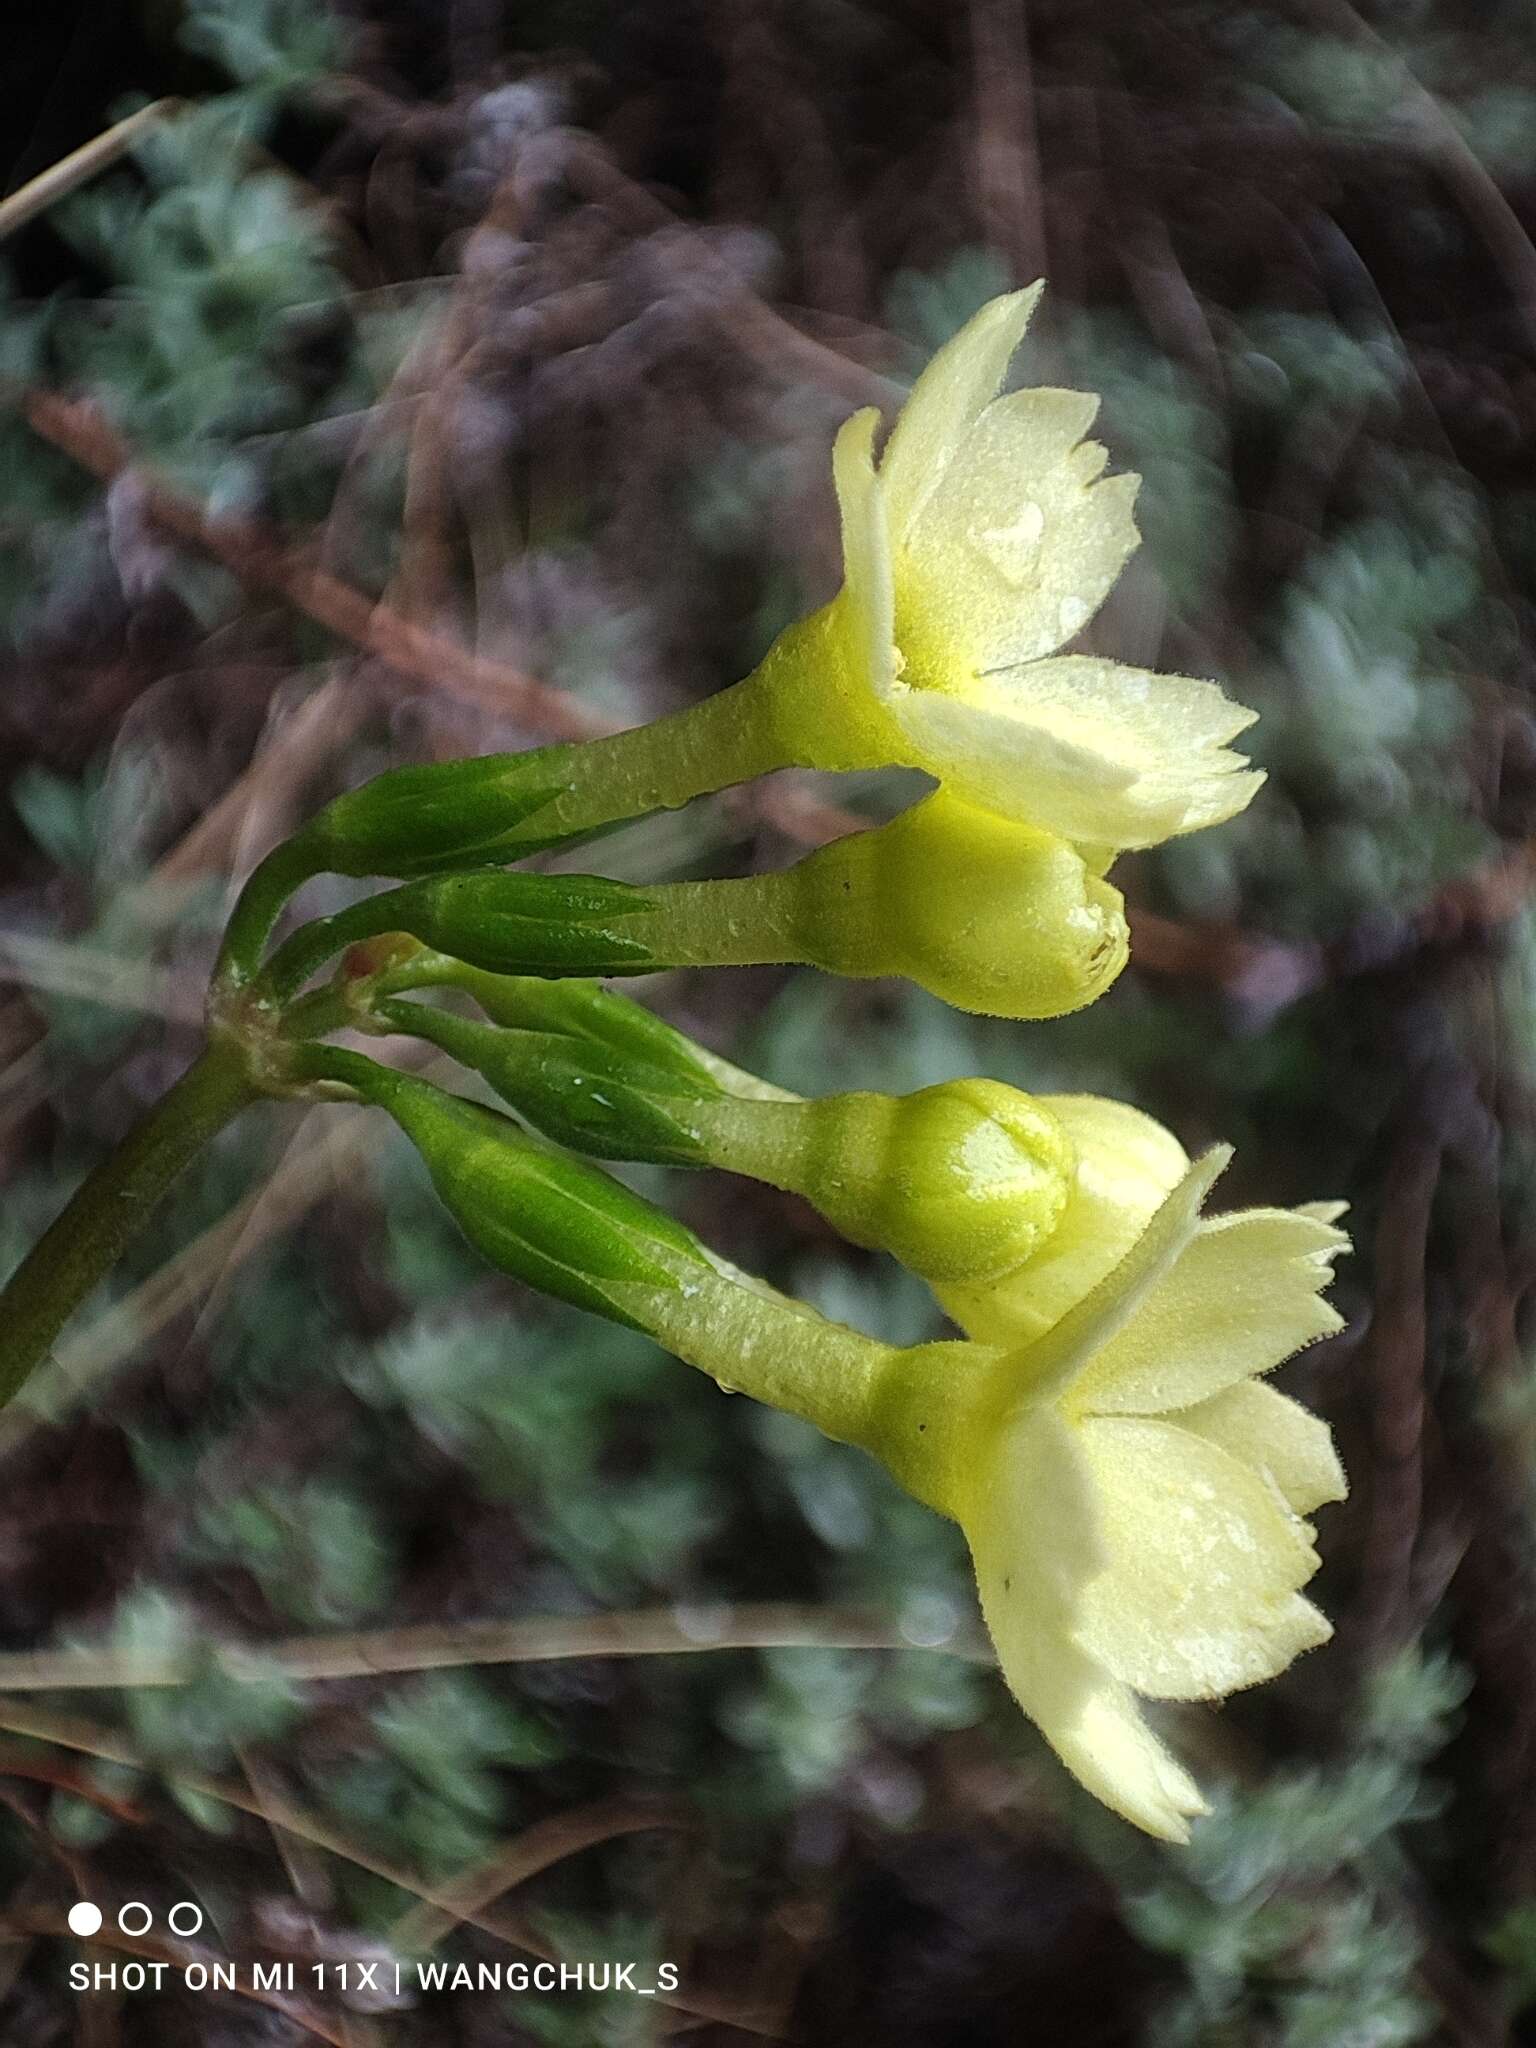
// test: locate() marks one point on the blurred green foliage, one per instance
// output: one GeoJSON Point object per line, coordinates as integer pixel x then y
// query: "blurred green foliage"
{"type": "Point", "coordinates": [1286, 1913]}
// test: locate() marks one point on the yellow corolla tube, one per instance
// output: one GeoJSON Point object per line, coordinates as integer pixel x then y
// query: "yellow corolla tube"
{"type": "Point", "coordinates": [1133, 1493]}
{"type": "Point", "coordinates": [978, 548]}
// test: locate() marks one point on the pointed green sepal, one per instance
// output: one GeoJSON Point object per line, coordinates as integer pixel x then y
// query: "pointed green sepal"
{"type": "Point", "coordinates": [582, 1093]}
{"type": "Point", "coordinates": [561, 1226]}
{"type": "Point", "coordinates": [420, 819]}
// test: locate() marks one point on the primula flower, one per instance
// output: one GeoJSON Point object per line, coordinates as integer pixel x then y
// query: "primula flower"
{"type": "Point", "coordinates": [981, 545]}
{"type": "Point", "coordinates": [1132, 1493]}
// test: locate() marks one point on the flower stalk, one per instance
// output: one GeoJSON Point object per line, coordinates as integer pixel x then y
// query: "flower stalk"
{"type": "Point", "coordinates": [111, 1206]}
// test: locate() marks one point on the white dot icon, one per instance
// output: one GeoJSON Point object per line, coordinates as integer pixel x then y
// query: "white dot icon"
{"type": "Point", "coordinates": [85, 1919]}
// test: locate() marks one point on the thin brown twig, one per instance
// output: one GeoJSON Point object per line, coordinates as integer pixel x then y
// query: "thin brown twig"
{"type": "Point", "coordinates": [323, 723]}
{"type": "Point", "coordinates": [541, 1639]}
{"type": "Point", "coordinates": [79, 167]}
{"type": "Point", "coordinates": [77, 1783]}
{"type": "Point", "coordinates": [254, 553]}
{"type": "Point", "coordinates": [258, 556]}
{"type": "Point", "coordinates": [535, 1849]}
{"type": "Point", "coordinates": [763, 334]}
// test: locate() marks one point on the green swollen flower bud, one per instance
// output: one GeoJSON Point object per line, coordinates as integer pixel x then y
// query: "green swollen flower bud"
{"type": "Point", "coordinates": [963, 1182]}
{"type": "Point", "coordinates": [967, 1178]}
{"type": "Point", "coordinates": [989, 915]}
{"type": "Point", "coordinates": [547, 1219]}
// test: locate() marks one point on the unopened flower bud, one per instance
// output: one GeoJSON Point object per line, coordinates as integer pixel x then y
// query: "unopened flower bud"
{"type": "Point", "coordinates": [989, 915]}
{"type": "Point", "coordinates": [561, 1226]}
{"type": "Point", "coordinates": [963, 1181]}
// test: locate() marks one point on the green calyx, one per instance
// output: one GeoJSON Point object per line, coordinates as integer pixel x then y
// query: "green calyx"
{"type": "Point", "coordinates": [544, 924]}
{"type": "Point", "coordinates": [583, 1010]}
{"type": "Point", "coordinates": [546, 1219]}
{"type": "Point", "coordinates": [527, 924]}
{"type": "Point", "coordinates": [594, 1097]}
{"type": "Point", "coordinates": [503, 807]}
{"type": "Point", "coordinates": [444, 814]}
{"type": "Point", "coordinates": [928, 1410]}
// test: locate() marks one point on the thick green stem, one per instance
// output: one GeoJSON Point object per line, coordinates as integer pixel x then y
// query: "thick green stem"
{"type": "Point", "coordinates": [109, 1209]}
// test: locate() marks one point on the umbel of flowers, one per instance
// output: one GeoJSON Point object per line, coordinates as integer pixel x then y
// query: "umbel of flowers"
{"type": "Point", "coordinates": [1133, 1493]}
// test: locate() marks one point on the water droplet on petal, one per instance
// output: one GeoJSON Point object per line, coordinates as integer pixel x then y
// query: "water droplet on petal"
{"type": "Point", "coordinates": [1013, 549]}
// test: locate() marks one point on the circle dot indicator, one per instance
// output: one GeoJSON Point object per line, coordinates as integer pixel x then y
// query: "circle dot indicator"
{"type": "Point", "coordinates": [85, 1919]}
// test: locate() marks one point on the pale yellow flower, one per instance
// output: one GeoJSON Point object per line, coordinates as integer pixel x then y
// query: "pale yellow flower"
{"type": "Point", "coordinates": [982, 544]}
{"type": "Point", "coordinates": [1132, 1493]}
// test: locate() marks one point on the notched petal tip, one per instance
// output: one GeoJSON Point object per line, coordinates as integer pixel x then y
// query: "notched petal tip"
{"type": "Point", "coordinates": [1110, 1749]}
{"type": "Point", "coordinates": [1244, 1294]}
{"type": "Point", "coordinates": [952, 392]}
{"type": "Point", "coordinates": [1201, 1596]}
{"type": "Point", "coordinates": [1091, 750]}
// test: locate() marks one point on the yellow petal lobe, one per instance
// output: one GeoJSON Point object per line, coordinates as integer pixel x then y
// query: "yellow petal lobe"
{"type": "Point", "coordinates": [1275, 1436]}
{"type": "Point", "coordinates": [1200, 1594]}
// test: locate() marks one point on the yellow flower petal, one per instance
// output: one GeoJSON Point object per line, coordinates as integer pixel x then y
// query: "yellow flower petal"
{"type": "Point", "coordinates": [1243, 1295]}
{"type": "Point", "coordinates": [1128, 1161]}
{"type": "Point", "coordinates": [960, 381]}
{"type": "Point", "coordinates": [1051, 1367]}
{"type": "Point", "coordinates": [1126, 1164]}
{"type": "Point", "coordinates": [1100, 1733]}
{"type": "Point", "coordinates": [1200, 1594]}
{"type": "Point", "coordinates": [1032, 1529]}
{"type": "Point", "coordinates": [1088, 749]}
{"type": "Point", "coordinates": [866, 603]}
{"type": "Point", "coordinates": [1017, 547]}
{"type": "Point", "coordinates": [1276, 1436]}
